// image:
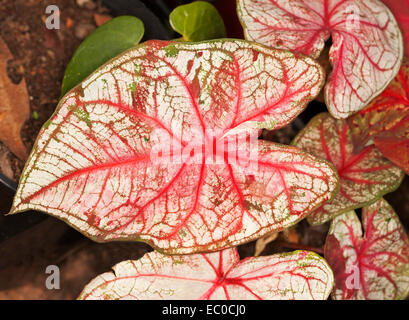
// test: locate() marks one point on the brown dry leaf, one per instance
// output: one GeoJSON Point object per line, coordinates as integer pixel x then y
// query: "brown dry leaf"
{"type": "Point", "coordinates": [5, 162]}
{"type": "Point", "coordinates": [291, 235]}
{"type": "Point", "coordinates": [14, 106]}
{"type": "Point", "coordinates": [262, 242]}
{"type": "Point", "coordinates": [69, 23]}
{"type": "Point", "coordinates": [323, 60]}
{"type": "Point", "coordinates": [100, 19]}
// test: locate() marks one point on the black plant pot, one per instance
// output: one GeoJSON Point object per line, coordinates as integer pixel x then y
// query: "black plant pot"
{"type": "Point", "coordinates": [154, 14]}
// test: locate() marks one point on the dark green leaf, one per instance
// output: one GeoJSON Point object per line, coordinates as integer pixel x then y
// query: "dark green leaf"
{"type": "Point", "coordinates": [106, 42]}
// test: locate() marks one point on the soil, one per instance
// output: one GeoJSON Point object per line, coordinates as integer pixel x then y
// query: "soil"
{"type": "Point", "coordinates": [40, 56]}
{"type": "Point", "coordinates": [26, 257]}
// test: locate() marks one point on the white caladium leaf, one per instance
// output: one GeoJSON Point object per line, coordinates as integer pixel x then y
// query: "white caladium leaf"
{"type": "Point", "coordinates": [220, 275]}
{"type": "Point", "coordinates": [367, 44]}
{"type": "Point", "coordinates": [138, 151]}
{"type": "Point", "coordinates": [364, 177]}
{"type": "Point", "coordinates": [374, 266]}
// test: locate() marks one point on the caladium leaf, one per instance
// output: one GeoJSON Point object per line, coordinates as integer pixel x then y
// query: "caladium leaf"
{"type": "Point", "coordinates": [400, 10]}
{"type": "Point", "coordinates": [385, 121]}
{"type": "Point", "coordinates": [92, 164]}
{"type": "Point", "coordinates": [220, 275]}
{"type": "Point", "coordinates": [197, 21]}
{"type": "Point", "coordinates": [107, 41]}
{"type": "Point", "coordinates": [364, 176]}
{"type": "Point", "coordinates": [374, 266]}
{"type": "Point", "coordinates": [367, 44]}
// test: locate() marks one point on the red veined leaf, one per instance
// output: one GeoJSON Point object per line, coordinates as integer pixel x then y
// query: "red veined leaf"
{"type": "Point", "coordinates": [396, 150]}
{"type": "Point", "coordinates": [367, 44]}
{"type": "Point", "coordinates": [364, 176]}
{"type": "Point", "coordinates": [220, 275]}
{"type": "Point", "coordinates": [374, 266]}
{"type": "Point", "coordinates": [92, 165]}
{"type": "Point", "coordinates": [400, 10]}
{"type": "Point", "coordinates": [385, 121]}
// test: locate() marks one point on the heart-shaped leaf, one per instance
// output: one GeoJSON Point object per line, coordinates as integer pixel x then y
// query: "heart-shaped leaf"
{"type": "Point", "coordinates": [137, 151]}
{"type": "Point", "coordinates": [197, 21]}
{"type": "Point", "coordinates": [365, 176]}
{"type": "Point", "coordinates": [106, 42]}
{"type": "Point", "coordinates": [367, 44]}
{"type": "Point", "coordinates": [385, 121]}
{"type": "Point", "coordinates": [221, 275]}
{"type": "Point", "coordinates": [400, 10]}
{"type": "Point", "coordinates": [374, 266]}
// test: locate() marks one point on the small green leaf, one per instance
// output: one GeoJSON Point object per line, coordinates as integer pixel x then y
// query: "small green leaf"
{"type": "Point", "coordinates": [110, 39]}
{"type": "Point", "coordinates": [197, 21]}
